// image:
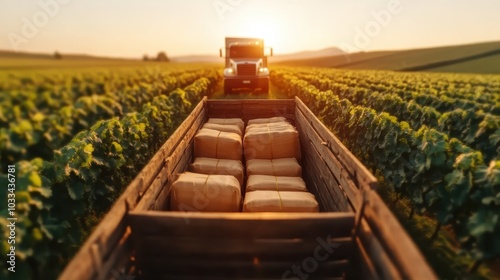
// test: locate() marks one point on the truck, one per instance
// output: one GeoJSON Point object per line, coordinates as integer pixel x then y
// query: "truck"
{"type": "Point", "coordinates": [354, 236]}
{"type": "Point", "coordinates": [245, 65]}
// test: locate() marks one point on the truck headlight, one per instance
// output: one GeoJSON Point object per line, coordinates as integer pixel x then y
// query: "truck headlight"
{"type": "Point", "coordinates": [263, 70]}
{"type": "Point", "coordinates": [229, 72]}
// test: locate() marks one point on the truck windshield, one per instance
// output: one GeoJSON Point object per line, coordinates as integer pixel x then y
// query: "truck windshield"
{"type": "Point", "coordinates": [245, 52]}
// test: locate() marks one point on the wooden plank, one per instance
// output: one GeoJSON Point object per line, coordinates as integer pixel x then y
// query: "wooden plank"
{"type": "Point", "coordinates": [335, 201]}
{"type": "Point", "coordinates": [273, 111]}
{"type": "Point", "coordinates": [288, 104]}
{"type": "Point", "coordinates": [352, 164]}
{"type": "Point", "coordinates": [112, 228]}
{"type": "Point", "coordinates": [242, 225]}
{"type": "Point", "coordinates": [265, 102]}
{"type": "Point", "coordinates": [247, 117]}
{"type": "Point", "coordinates": [250, 109]}
{"type": "Point", "coordinates": [240, 268]}
{"type": "Point", "coordinates": [312, 179]}
{"type": "Point", "coordinates": [161, 203]}
{"type": "Point", "coordinates": [253, 109]}
{"type": "Point", "coordinates": [244, 106]}
{"type": "Point", "coordinates": [220, 108]}
{"type": "Point", "coordinates": [234, 248]}
{"type": "Point", "coordinates": [335, 166]}
{"type": "Point", "coordinates": [366, 269]}
{"type": "Point", "coordinates": [320, 166]}
{"type": "Point", "coordinates": [380, 259]}
{"type": "Point", "coordinates": [280, 111]}
{"type": "Point", "coordinates": [398, 245]}
{"type": "Point", "coordinates": [145, 202]}
{"type": "Point", "coordinates": [326, 156]}
{"type": "Point", "coordinates": [206, 277]}
{"type": "Point", "coordinates": [121, 254]}
{"type": "Point", "coordinates": [328, 202]}
{"type": "Point", "coordinates": [310, 174]}
{"type": "Point", "coordinates": [190, 277]}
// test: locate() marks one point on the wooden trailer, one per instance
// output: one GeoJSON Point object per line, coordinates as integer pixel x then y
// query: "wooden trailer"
{"type": "Point", "coordinates": [354, 236]}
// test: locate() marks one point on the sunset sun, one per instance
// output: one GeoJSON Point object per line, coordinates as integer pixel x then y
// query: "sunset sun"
{"type": "Point", "coordinates": [269, 30]}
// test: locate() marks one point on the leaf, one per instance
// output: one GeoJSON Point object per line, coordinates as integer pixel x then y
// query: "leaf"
{"type": "Point", "coordinates": [76, 191]}
{"type": "Point", "coordinates": [38, 117]}
{"type": "Point", "coordinates": [488, 200]}
{"type": "Point", "coordinates": [482, 222]}
{"type": "Point", "coordinates": [88, 149]}
{"type": "Point", "coordinates": [495, 137]}
{"type": "Point", "coordinates": [117, 148]}
{"type": "Point", "coordinates": [35, 179]}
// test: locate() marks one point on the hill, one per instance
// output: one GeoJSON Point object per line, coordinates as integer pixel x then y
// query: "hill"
{"type": "Point", "coordinates": [333, 51]}
{"type": "Point", "coordinates": [328, 52]}
{"type": "Point", "coordinates": [18, 59]}
{"type": "Point", "coordinates": [472, 58]}
{"type": "Point", "coordinates": [30, 61]}
{"type": "Point", "coordinates": [483, 58]}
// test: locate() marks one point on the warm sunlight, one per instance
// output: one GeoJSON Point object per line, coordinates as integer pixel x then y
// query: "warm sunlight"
{"type": "Point", "coordinates": [288, 26]}
{"type": "Point", "coordinates": [249, 139]}
{"type": "Point", "coordinates": [268, 29]}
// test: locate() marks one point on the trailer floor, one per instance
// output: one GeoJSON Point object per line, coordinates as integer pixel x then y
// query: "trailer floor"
{"type": "Point", "coordinates": [274, 93]}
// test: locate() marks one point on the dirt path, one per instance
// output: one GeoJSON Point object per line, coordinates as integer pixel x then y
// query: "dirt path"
{"type": "Point", "coordinates": [274, 93]}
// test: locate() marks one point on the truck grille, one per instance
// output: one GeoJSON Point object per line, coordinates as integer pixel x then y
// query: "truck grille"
{"type": "Point", "coordinates": [247, 69]}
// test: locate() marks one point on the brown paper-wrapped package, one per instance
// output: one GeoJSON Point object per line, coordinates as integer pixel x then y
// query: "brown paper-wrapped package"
{"type": "Point", "coordinates": [234, 121]}
{"type": "Point", "coordinates": [225, 128]}
{"type": "Point", "coordinates": [275, 183]}
{"type": "Point", "coordinates": [217, 144]}
{"type": "Point", "coordinates": [273, 201]}
{"type": "Point", "coordinates": [277, 167]}
{"type": "Point", "coordinates": [269, 126]}
{"type": "Point", "coordinates": [205, 193]}
{"type": "Point", "coordinates": [271, 141]}
{"type": "Point", "coordinates": [215, 166]}
{"type": "Point", "coordinates": [267, 120]}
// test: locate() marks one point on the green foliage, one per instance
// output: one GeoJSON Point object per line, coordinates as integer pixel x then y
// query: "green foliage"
{"type": "Point", "coordinates": [36, 229]}
{"type": "Point", "coordinates": [41, 114]}
{"type": "Point", "coordinates": [468, 116]}
{"type": "Point", "coordinates": [61, 199]}
{"type": "Point", "coordinates": [481, 232]}
{"type": "Point", "coordinates": [427, 159]}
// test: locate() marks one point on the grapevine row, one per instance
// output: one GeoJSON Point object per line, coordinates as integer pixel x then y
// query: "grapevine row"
{"type": "Point", "coordinates": [64, 198]}
{"type": "Point", "coordinates": [442, 176]}
{"type": "Point", "coordinates": [478, 91]}
{"type": "Point", "coordinates": [479, 130]}
{"type": "Point", "coordinates": [36, 132]}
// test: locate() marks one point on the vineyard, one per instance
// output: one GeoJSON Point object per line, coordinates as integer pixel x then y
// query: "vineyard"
{"type": "Point", "coordinates": [432, 138]}
{"type": "Point", "coordinates": [76, 139]}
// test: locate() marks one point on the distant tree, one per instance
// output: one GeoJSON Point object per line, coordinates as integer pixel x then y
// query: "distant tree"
{"type": "Point", "coordinates": [57, 55]}
{"type": "Point", "coordinates": [162, 57]}
{"type": "Point", "coordinates": [145, 57]}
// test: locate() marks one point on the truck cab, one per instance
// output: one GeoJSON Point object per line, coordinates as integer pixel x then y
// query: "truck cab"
{"type": "Point", "coordinates": [246, 65]}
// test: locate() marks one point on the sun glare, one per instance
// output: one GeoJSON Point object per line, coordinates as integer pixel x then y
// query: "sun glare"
{"type": "Point", "coordinates": [267, 29]}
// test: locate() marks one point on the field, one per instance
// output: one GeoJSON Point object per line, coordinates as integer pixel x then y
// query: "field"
{"type": "Point", "coordinates": [78, 131]}
{"type": "Point", "coordinates": [432, 139]}
{"type": "Point", "coordinates": [73, 139]}
{"type": "Point", "coordinates": [474, 58]}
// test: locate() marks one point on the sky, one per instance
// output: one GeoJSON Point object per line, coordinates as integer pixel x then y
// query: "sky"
{"type": "Point", "coordinates": [132, 28]}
